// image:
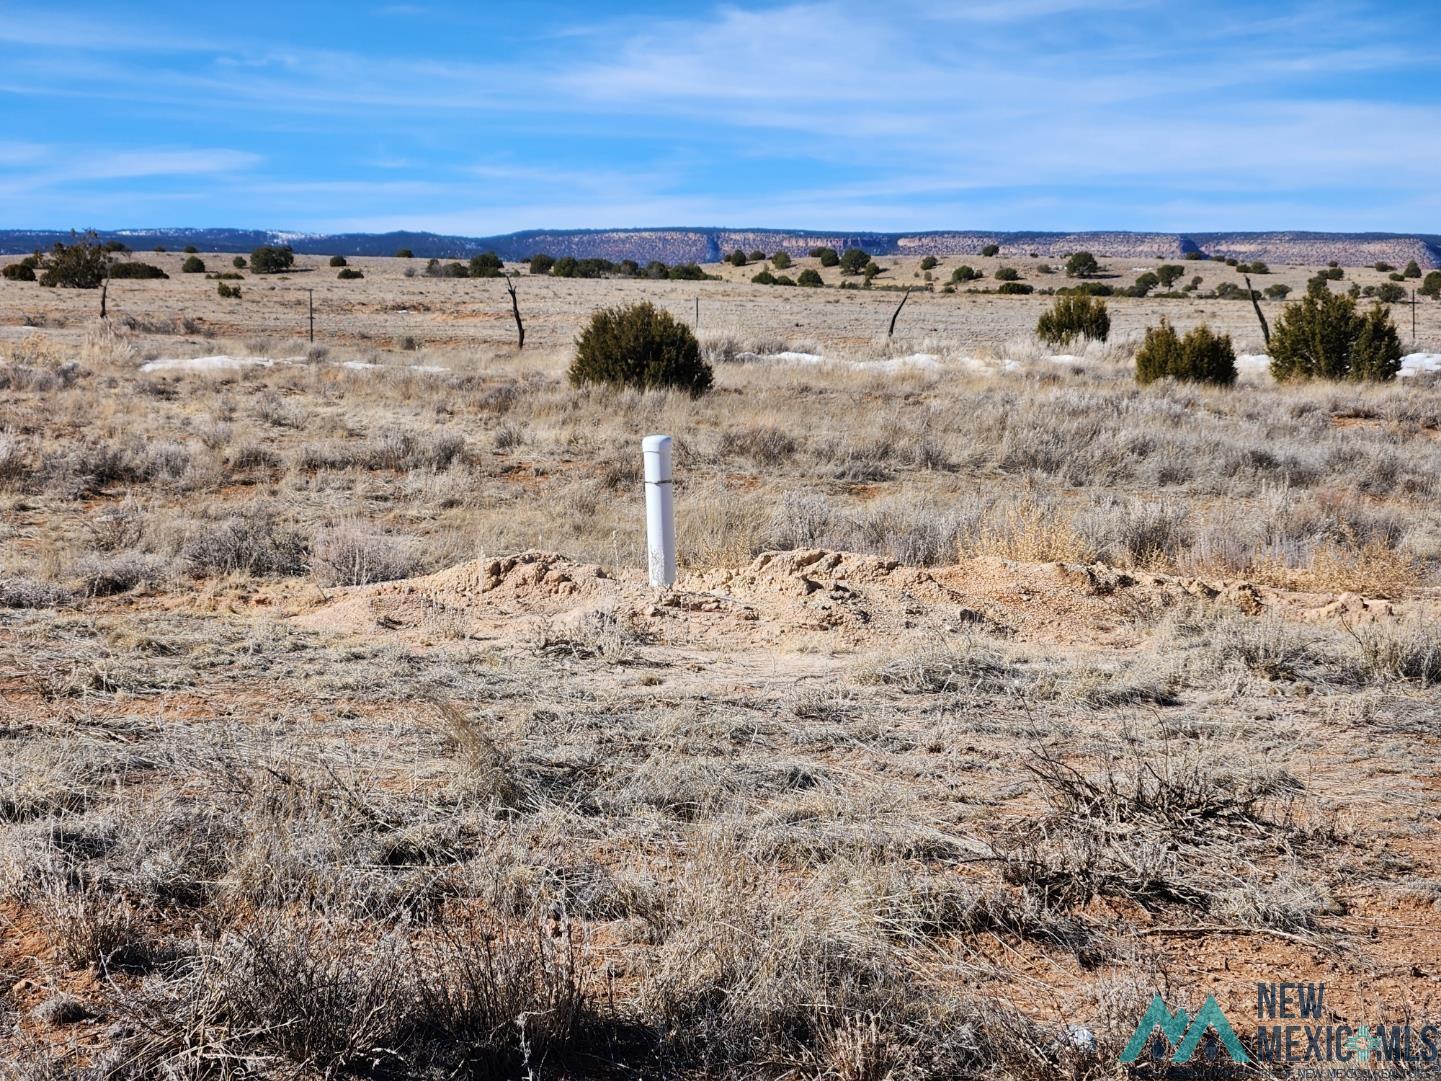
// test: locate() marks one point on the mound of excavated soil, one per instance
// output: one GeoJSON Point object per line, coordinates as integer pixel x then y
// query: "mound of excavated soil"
{"type": "Point", "coordinates": [844, 598]}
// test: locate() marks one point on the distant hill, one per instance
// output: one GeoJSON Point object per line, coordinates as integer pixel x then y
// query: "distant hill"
{"type": "Point", "coordinates": [708, 245]}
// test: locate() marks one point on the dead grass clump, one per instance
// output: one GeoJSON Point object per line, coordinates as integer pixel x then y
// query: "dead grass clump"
{"type": "Point", "coordinates": [104, 576]}
{"type": "Point", "coordinates": [22, 591]}
{"type": "Point", "coordinates": [87, 926]}
{"type": "Point", "coordinates": [763, 446]}
{"type": "Point", "coordinates": [107, 343]}
{"type": "Point", "coordinates": [1410, 653]}
{"type": "Point", "coordinates": [250, 540]}
{"type": "Point", "coordinates": [944, 667]}
{"type": "Point", "coordinates": [415, 450]}
{"type": "Point", "coordinates": [1029, 531]}
{"type": "Point", "coordinates": [354, 554]}
{"type": "Point", "coordinates": [1373, 569]}
{"type": "Point", "coordinates": [1158, 828]}
{"type": "Point", "coordinates": [1137, 533]}
{"type": "Point", "coordinates": [599, 632]}
{"type": "Point", "coordinates": [1273, 647]}
{"type": "Point", "coordinates": [337, 997]}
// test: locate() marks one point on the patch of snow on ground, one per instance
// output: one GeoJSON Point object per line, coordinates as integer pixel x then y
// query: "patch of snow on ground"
{"type": "Point", "coordinates": [220, 363]}
{"type": "Point", "coordinates": [895, 364]}
{"type": "Point", "coordinates": [1066, 358]}
{"type": "Point", "coordinates": [1419, 364]}
{"type": "Point", "coordinates": [1253, 362]}
{"type": "Point", "coordinates": [780, 358]}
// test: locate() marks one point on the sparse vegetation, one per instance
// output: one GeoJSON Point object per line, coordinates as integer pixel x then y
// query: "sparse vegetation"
{"type": "Point", "coordinates": [193, 265]}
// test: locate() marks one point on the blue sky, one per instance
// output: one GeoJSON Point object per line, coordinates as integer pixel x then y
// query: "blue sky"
{"type": "Point", "coordinates": [483, 117]}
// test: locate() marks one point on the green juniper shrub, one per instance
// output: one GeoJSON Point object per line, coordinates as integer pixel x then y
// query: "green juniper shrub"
{"type": "Point", "coordinates": [964, 273]}
{"type": "Point", "coordinates": [1279, 291]}
{"type": "Point", "coordinates": [23, 271]}
{"type": "Point", "coordinates": [271, 260]}
{"type": "Point", "coordinates": [1390, 293]}
{"type": "Point", "coordinates": [1200, 357]}
{"type": "Point", "coordinates": [737, 258]}
{"type": "Point", "coordinates": [191, 249]}
{"type": "Point", "coordinates": [1016, 289]}
{"type": "Point", "coordinates": [1007, 274]}
{"type": "Point", "coordinates": [540, 263]}
{"type": "Point", "coordinates": [1384, 268]}
{"type": "Point", "coordinates": [1090, 289]}
{"type": "Point", "coordinates": [1081, 264]}
{"type": "Point", "coordinates": [1231, 291]}
{"type": "Point", "coordinates": [1413, 269]}
{"type": "Point", "coordinates": [854, 260]}
{"type": "Point", "coordinates": [350, 274]}
{"type": "Point", "coordinates": [990, 251]}
{"type": "Point", "coordinates": [757, 256]}
{"type": "Point", "coordinates": [193, 265]}
{"type": "Point", "coordinates": [1159, 354]}
{"type": "Point", "coordinates": [765, 277]}
{"type": "Point", "coordinates": [136, 270]}
{"type": "Point", "coordinates": [1145, 283]}
{"type": "Point", "coordinates": [1074, 315]}
{"type": "Point", "coordinates": [485, 265]}
{"type": "Point", "coordinates": [810, 279]}
{"type": "Point", "coordinates": [827, 256]}
{"type": "Point", "coordinates": [1396, 276]}
{"type": "Point", "coordinates": [405, 253]}
{"type": "Point", "coordinates": [228, 292]}
{"type": "Point", "coordinates": [1195, 256]}
{"type": "Point", "coordinates": [1322, 336]}
{"type": "Point", "coordinates": [642, 347]}
{"type": "Point", "coordinates": [784, 279]}
{"type": "Point", "coordinates": [1169, 274]}
{"type": "Point", "coordinates": [930, 262]}
{"type": "Point", "coordinates": [81, 264]}
{"type": "Point", "coordinates": [239, 262]}
{"type": "Point", "coordinates": [781, 261]}
{"type": "Point", "coordinates": [338, 261]}
{"type": "Point", "coordinates": [1431, 287]}
{"type": "Point", "coordinates": [687, 272]}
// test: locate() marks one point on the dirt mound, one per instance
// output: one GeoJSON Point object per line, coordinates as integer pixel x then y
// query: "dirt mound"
{"type": "Point", "coordinates": [808, 598]}
{"type": "Point", "coordinates": [527, 576]}
{"type": "Point", "coordinates": [465, 599]}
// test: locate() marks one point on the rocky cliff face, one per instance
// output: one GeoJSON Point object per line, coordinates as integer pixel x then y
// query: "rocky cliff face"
{"type": "Point", "coordinates": [697, 245]}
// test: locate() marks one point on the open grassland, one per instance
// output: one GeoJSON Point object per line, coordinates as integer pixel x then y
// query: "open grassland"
{"type": "Point", "coordinates": [319, 760]}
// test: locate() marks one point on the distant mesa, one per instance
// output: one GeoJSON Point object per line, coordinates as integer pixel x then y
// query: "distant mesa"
{"type": "Point", "coordinates": [709, 245]}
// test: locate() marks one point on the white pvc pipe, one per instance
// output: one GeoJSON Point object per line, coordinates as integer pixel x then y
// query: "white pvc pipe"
{"type": "Point", "coordinates": [659, 509]}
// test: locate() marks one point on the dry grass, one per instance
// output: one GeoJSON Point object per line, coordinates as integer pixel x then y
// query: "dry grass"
{"type": "Point", "coordinates": [574, 845]}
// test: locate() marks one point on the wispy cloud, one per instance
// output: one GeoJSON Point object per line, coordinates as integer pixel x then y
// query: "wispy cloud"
{"type": "Point", "coordinates": [1061, 113]}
